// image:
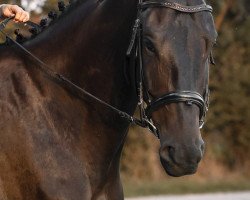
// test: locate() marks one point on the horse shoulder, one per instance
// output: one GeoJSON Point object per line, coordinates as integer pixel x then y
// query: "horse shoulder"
{"type": "Point", "coordinates": [40, 160]}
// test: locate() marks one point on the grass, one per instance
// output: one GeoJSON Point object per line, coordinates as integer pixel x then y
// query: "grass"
{"type": "Point", "coordinates": [176, 186]}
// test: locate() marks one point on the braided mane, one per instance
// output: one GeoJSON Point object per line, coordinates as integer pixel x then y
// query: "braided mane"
{"type": "Point", "coordinates": [53, 17]}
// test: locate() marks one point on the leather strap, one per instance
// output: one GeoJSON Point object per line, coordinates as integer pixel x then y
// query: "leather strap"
{"type": "Point", "coordinates": [188, 97]}
{"type": "Point", "coordinates": [176, 6]}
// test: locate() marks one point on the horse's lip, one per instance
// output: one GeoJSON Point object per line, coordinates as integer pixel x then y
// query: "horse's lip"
{"type": "Point", "coordinates": [175, 170]}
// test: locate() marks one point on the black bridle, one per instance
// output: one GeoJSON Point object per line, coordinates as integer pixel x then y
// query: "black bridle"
{"type": "Point", "coordinates": [188, 97]}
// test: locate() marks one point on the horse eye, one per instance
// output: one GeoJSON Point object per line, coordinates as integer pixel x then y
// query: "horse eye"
{"type": "Point", "coordinates": [149, 45]}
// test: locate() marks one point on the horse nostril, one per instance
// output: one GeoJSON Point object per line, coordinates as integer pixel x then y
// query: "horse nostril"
{"type": "Point", "coordinates": [171, 152]}
{"type": "Point", "coordinates": [168, 153]}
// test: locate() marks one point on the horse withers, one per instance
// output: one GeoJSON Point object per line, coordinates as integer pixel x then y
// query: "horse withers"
{"type": "Point", "coordinates": [55, 145]}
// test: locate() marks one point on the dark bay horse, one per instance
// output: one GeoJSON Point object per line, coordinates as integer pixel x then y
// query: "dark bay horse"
{"type": "Point", "coordinates": [56, 146]}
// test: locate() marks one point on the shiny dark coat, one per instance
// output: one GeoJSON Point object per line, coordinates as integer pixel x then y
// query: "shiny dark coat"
{"type": "Point", "coordinates": [54, 146]}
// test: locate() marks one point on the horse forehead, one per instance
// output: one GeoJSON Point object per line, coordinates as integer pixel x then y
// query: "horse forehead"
{"type": "Point", "coordinates": [156, 17]}
{"type": "Point", "coordinates": [163, 20]}
{"type": "Point", "coordinates": [167, 21]}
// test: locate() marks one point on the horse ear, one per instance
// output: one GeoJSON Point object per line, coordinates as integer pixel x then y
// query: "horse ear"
{"type": "Point", "coordinates": [61, 6]}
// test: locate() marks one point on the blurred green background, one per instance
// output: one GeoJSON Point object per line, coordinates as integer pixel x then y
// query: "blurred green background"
{"type": "Point", "coordinates": [226, 165]}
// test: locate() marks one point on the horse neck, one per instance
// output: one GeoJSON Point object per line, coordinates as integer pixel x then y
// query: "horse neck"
{"type": "Point", "coordinates": [89, 44]}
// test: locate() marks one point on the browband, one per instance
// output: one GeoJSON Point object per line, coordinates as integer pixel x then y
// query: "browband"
{"type": "Point", "coordinates": [176, 6]}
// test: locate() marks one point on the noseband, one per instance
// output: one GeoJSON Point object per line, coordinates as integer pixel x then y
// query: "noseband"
{"type": "Point", "coordinates": [187, 97]}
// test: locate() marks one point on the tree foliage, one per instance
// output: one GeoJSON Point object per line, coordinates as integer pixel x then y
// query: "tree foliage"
{"type": "Point", "coordinates": [230, 84]}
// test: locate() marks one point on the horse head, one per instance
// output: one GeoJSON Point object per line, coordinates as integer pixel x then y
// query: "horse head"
{"type": "Point", "coordinates": [177, 39]}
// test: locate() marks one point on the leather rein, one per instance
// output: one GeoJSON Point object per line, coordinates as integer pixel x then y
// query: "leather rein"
{"type": "Point", "coordinates": [188, 97]}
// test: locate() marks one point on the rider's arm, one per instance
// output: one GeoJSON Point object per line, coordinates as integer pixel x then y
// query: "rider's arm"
{"type": "Point", "coordinates": [8, 10]}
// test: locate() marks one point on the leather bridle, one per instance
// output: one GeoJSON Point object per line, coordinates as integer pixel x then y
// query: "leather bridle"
{"type": "Point", "coordinates": [176, 6]}
{"type": "Point", "coordinates": [188, 97]}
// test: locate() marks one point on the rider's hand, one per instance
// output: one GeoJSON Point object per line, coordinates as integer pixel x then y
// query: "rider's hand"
{"type": "Point", "coordinates": [9, 10]}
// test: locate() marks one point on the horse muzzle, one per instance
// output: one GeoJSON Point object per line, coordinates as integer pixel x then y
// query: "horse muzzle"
{"type": "Point", "coordinates": [181, 160]}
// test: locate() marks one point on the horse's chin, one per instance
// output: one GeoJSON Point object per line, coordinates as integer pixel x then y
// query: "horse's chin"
{"type": "Point", "coordinates": [177, 171]}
